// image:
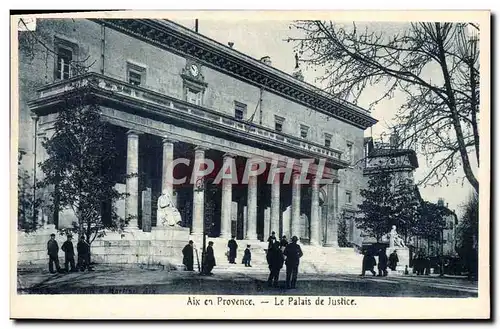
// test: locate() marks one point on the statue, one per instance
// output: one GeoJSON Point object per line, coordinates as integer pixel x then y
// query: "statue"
{"type": "Point", "coordinates": [167, 214]}
{"type": "Point", "coordinates": [394, 239]}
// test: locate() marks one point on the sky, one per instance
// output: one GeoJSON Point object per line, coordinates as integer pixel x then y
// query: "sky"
{"type": "Point", "coordinates": [268, 38]}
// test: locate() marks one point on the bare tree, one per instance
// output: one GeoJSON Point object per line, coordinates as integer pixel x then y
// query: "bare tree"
{"type": "Point", "coordinates": [436, 65]}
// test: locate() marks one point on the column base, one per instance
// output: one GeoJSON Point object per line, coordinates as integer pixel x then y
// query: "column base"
{"type": "Point", "coordinates": [251, 237]}
{"type": "Point", "coordinates": [225, 236]}
{"type": "Point", "coordinates": [331, 244]}
{"type": "Point", "coordinates": [315, 244]}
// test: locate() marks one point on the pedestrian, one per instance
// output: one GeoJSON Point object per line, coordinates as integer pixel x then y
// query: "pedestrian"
{"type": "Point", "coordinates": [368, 263]}
{"type": "Point", "coordinates": [209, 259]}
{"type": "Point", "coordinates": [247, 257]}
{"type": "Point", "coordinates": [187, 256]}
{"type": "Point", "coordinates": [275, 261]}
{"type": "Point", "coordinates": [69, 254]}
{"type": "Point", "coordinates": [53, 252]}
{"type": "Point", "coordinates": [83, 250]}
{"type": "Point", "coordinates": [233, 247]}
{"type": "Point", "coordinates": [293, 253]}
{"type": "Point", "coordinates": [393, 260]}
{"type": "Point", "coordinates": [382, 263]}
{"type": "Point", "coordinates": [271, 240]}
{"type": "Point", "coordinates": [283, 243]}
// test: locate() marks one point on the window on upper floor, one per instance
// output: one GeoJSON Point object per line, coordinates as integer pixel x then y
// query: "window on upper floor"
{"type": "Point", "coordinates": [240, 110]}
{"type": "Point", "coordinates": [64, 59]}
{"type": "Point", "coordinates": [349, 152]}
{"type": "Point", "coordinates": [304, 131]}
{"type": "Point", "coordinates": [328, 140]}
{"type": "Point", "coordinates": [278, 123]}
{"type": "Point", "coordinates": [66, 54]}
{"type": "Point", "coordinates": [136, 74]}
{"type": "Point", "coordinates": [194, 96]}
{"type": "Point", "coordinates": [348, 197]}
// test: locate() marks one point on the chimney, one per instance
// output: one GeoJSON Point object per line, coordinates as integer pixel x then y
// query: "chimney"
{"type": "Point", "coordinates": [266, 60]}
{"type": "Point", "coordinates": [230, 44]}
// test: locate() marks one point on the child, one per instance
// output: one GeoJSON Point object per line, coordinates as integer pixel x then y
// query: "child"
{"type": "Point", "coordinates": [247, 257]}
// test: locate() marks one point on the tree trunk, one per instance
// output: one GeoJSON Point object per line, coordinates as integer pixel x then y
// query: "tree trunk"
{"type": "Point", "coordinates": [454, 113]}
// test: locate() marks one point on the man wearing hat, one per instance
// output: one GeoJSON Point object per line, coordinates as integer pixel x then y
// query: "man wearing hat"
{"type": "Point", "coordinates": [53, 251]}
{"type": "Point", "coordinates": [292, 252]}
{"type": "Point", "coordinates": [69, 254]}
{"type": "Point", "coordinates": [187, 256]}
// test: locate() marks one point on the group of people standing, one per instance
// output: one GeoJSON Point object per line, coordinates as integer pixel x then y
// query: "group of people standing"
{"type": "Point", "coordinates": [209, 259]}
{"type": "Point", "coordinates": [384, 262]}
{"type": "Point", "coordinates": [82, 248]}
{"type": "Point", "coordinates": [279, 253]}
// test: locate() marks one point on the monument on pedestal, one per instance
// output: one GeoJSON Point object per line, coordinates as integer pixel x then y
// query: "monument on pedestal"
{"type": "Point", "coordinates": [168, 219]}
{"type": "Point", "coordinates": [397, 244]}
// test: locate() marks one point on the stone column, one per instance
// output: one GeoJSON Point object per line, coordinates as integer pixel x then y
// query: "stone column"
{"type": "Point", "coordinates": [331, 216]}
{"type": "Point", "coordinates": [167, 169]}
{"type": "Point", "coordinates": [198, 194]}
{"type": "Point", "coordinates": [275, 204]}
{"type": "Point", "coordinates": [295, 225]}
{"type": "Point", "coordinates": [251, 229]}
{"type": "Point", "coordinates": [227, 198]}
{"type": "Point", "coordinates": [315, 224]}
{"type": "Point", "coordinates": [132, 183]}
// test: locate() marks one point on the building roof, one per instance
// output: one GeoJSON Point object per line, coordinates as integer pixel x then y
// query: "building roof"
{"type": "Point", "coordinates": [185, 42]}
{"type": "Point", "coordinates": [394, 152]}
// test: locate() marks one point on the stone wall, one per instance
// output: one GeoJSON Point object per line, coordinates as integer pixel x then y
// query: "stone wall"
{"type": "Point", "coordinates": [160, 247]}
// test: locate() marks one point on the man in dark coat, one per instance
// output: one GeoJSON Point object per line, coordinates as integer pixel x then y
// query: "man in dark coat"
{"type": "Point", "coordinates": [209, 259]}
{"type": "Point", "coordinates": [187, 256]}
{"type": "Point", "coordinates": [393, 260]}
{"type": "Point", "coordinates": [382, 262]}
{"type": "Point", "coordinates": [271, 240]}
{"type": "Point", "coordinates": [368, 263]}
{"type": "Point", "coordinates": [283, 243]}
{"type": "Point", "coordinates": [83, 250]}
{"type": "Point", "coordinates": [232, 246]}
{"type": "Point", "coordinates": [247, 257]}
{"type": "Point", "coordinates": [293, 253]}
{"type": "Point", "coordinates": [275, 261]}
{"type": "Point", "coordinates": [69, 254]}
{"type": "Point", "coordinates": [53, 252]}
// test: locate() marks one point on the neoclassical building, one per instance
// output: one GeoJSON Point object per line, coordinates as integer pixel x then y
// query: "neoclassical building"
{"type": "Point", "coordinates": [170, 93]}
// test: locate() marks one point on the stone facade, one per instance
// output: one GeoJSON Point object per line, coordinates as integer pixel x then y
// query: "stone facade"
{"type": "Point", "coordinates": [199, 100]}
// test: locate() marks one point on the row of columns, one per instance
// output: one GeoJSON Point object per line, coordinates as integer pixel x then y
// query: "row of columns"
{"type": "Point", "coordinates": [132, 189]}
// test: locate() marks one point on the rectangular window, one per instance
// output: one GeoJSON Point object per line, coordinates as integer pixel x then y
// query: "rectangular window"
{"type": "Point", "coordinates": [304, 131]}
{"type": "Point", "coordinates": [348, 197]}
{"type": "Point", "coordinates": [278, 123]}
{"type": "Point", "coordinates": [240, 110]}
{"type": "Point", "coordinates": [136, 74]}
{"type": "Point", "coordinates": [328, 140]}
{"type": "Point", "coordinates": [193, 96]}
{"type": "Point", "coordinates": [134, 78]}
{"type": "Point", "coordinates": [349, 152]}
{"type": "Point", "coordinates": [64, 58]}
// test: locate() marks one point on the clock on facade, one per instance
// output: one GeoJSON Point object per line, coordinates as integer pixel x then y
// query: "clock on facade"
{"type": "Point", "coordinates": [194, 70]}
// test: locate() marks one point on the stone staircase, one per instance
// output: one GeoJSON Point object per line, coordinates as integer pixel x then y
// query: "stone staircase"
{"type": "Point", "coordinates": [316, 260]}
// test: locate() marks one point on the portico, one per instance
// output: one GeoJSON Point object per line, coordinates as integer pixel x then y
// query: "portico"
{"type": "Point", "coordinates": [156, 139]}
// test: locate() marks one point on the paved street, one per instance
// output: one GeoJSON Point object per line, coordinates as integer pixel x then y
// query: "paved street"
{"type": "Point", "coordinates": [106, 279]}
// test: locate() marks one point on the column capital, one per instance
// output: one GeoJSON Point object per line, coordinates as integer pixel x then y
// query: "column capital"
{"type": "Point", "coordinates": [167, 140]}
{"type": "Point", "coordinates": [34, 116]}
{"type": "Point", "coordinates": [201, 148]}
{"type": "Point", "coordinates": [133, 133]}
{"type": "Point", "coordinates": [229, 155]}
